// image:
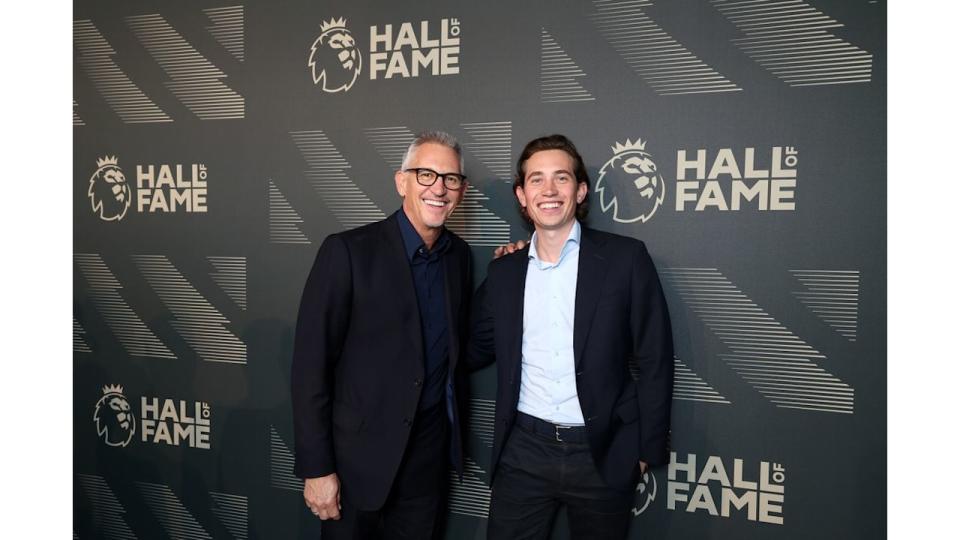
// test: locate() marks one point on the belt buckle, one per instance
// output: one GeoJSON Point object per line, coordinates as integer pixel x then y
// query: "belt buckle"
{"type": "Point", "coordinates": [556, 431]}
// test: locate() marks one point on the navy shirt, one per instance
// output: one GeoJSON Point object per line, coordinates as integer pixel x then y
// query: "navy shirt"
{"type": "Point", "coordinates": [428, 281]}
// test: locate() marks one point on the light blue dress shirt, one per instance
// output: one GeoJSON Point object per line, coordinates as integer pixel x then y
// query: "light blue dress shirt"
{"type": "Point", "coordinates": [548, 382]}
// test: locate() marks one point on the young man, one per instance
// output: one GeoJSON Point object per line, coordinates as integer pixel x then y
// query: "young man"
{"type": "Point", "coordinates": [564, 318]}
{"type": "Point", "coordinates": [375, 354]}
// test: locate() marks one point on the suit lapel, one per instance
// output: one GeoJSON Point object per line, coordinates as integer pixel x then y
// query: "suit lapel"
{"type": "Point", "coordinates": [398, 267]}
{"type": "Point", "coordinates": [516, 287]}
{"type": "Point", "coordinates": [590, 275]}
{"type": "Point", "coordinates": [452, 275]}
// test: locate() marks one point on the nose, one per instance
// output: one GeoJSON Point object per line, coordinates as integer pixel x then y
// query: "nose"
{"type": "Point", "coordinates": [549, 187]}
{"type": "Point", "coordinates": [438, 188]}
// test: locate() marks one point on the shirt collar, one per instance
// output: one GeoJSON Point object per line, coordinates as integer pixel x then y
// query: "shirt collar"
{"type": "Point", "coordinates": [412, 242]}
{"type": "Point", "coordinates": [572, 242]}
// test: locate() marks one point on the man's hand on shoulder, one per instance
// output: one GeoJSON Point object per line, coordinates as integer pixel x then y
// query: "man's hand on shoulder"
{"type": "Point", "coordinates": [509, 248]}
{"type": "Point", "coordinates": [322, 495]}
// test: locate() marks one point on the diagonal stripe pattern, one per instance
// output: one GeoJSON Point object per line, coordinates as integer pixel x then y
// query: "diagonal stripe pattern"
{"type": "Point", "coordinates": [281, 464]}
{"type": "Point", "coordinates": [771, 358]}
{"type": "Point", "coordinates": [195, 81]}
{"type": "Point", "coordinates": [107, 510]}
{"type": "Point", "coordinates": [559, 73]}
{"type": "Point", "coordinates": [476, 224]}
{"type": "Point", "coordinates": [688, 386]}
{"type": "Point", "coordinates": [481, 419]}
{"type": "Point", "coordinates": [390, 142]}
{"type": "Point", "coordinates": [232, 512]}
{"type": "Point", "coordinates": [231, 276]}
{"type": "Point", "coordinates": [195, 319]}
{"type": "Point", "coordinates": [660, 60]}
{"type": "Point", "coordinates": [327, 174]}
{"type": "Point", "coordinates": [176, 520]}
{"type": "Point", "coordinates": [833, 296]}
{"type": "Point", "coordinates": [79, 344]}
{"type": "Point", "coordinates": [104, 290]}
{"type": "Point", "coordinates": [472, 496]}
{"type": "Point", "coordinates": [491, 142]}
{"type": "Point", "coordinates": [284, 220]}
{"type": "Point", "coordinates": [789, 38]}
{"type": "Point", "coordinates": [227, 28]}
{"type": "Point", "coordinates": [77, 121]}
{"type": "Point", "coordinates": [121, 94]}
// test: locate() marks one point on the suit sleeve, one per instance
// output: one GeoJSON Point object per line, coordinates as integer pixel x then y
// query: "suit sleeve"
{"type": "Point", "coordinates": [480, 346]}
{"type": "Point", "coordinates": [653, 354]}
{"type": "Point", "coordinates": [321, 329]}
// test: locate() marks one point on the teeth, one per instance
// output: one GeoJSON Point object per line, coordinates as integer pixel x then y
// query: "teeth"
{"type": "Point", "coordinates": [431, 202]}
{"type": "Point", "coordinates": [550, 205]}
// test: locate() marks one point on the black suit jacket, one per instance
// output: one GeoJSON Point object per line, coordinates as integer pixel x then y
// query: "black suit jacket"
{"type": "Point", "coordinates": [620, 316]}
{"type": "Point", "coordinates": [358, 366]}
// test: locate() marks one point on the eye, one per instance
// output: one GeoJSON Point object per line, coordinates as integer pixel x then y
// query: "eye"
{"type": "Point", "coordinates": [452, 180]}
{"type": "Point", "coordinates": [536, 180]}
{"type": "Point", "coordinates": [563, 178]}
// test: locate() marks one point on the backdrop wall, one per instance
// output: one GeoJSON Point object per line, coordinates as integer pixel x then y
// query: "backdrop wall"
{"type": "Point", "coordinates": [217, 144]}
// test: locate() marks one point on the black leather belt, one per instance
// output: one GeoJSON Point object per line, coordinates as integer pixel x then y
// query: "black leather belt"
{"type": "Point", "coordinates": [557, 432]}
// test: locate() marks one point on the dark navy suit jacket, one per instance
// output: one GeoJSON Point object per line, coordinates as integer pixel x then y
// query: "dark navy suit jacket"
{"type": "Point", "coordinates": [358, 368]}
{"type": "Point", "coordinates": [620, 318]}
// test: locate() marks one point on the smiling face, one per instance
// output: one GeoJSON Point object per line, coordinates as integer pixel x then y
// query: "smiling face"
{"type": "Point", "coordinates": [550, 191]}
{"type": "Point", "coordinates": [428, 207]}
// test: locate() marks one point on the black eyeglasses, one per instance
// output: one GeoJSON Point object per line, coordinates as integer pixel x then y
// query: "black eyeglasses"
{"type": "Point", "coordinates": [428, 177]}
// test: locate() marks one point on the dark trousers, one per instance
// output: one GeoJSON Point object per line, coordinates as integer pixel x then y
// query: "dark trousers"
{"type": "Point", "coordinates": [413, 510]}
{"type": "Point", "coordinates": [536, 474]}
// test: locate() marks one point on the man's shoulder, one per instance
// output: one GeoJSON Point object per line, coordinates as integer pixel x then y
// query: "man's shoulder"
{"type": "Point", "coordinates": [618, 242]}
{"type": "Point", "coordinates": [364, 233]}
{"type": "Point", "coordinates": [505, 263]}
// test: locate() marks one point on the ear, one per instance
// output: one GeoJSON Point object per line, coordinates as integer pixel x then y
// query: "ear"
{"type": "Point", "coordinates": [520, 196]}
{"type": "Point", "coordinates": [581, 192]}
{"type": "Point", "coordinates": [401, 183]}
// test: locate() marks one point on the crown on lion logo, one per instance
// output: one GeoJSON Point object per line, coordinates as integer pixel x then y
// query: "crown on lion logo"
{"type": "Point", "coordinates": [106, 160]}
{"type": "Point", "coordinates": [112, 389]}
{"type": "Point", "coordinates": [636, 145]}
{"type": "Point", "coordinates": [333, 23]}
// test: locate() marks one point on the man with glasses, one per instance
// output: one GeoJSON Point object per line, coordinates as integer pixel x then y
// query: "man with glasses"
{"type": "Point", "coordinates": [375, 358]}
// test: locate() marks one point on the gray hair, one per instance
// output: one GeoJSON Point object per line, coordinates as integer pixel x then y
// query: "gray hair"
{"type": "Point", "coordinates": [436, 137]}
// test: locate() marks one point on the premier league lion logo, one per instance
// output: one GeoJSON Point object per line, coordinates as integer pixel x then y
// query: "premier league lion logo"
{"type": "Point", "coordinates": [646, 493]}
{"type": "Point", "coordinates": [630, 184]}
{"type": "Point", "coordinates": [115, 422]}
{"type": "Point", "coordinates": [109, 192]}
{"type": "Point", "coordinates": [334, 57]}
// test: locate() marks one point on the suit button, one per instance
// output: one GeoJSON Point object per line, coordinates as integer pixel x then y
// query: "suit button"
{"type": "Point", "coordinates": [579, 373]}
{"type": "Point", "coordinates": [406, 422]}
{"type": "Point", "coordinates": [418, 382]}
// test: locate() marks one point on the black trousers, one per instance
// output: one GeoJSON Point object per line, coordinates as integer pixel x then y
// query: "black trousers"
{"type": "Point", "coordinates": [536, 474]}
{"type": "Point", "coordinates": [414, 507]}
